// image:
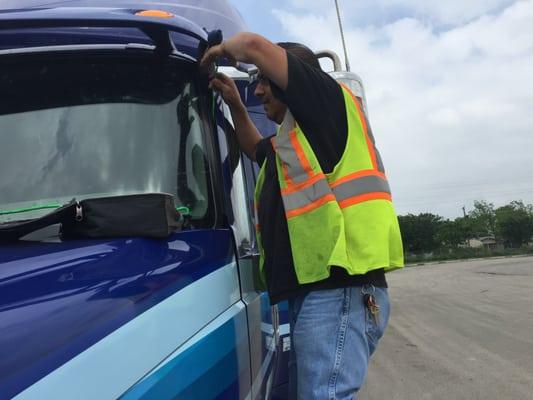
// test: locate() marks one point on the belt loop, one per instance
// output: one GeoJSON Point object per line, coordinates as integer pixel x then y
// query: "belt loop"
{"type": "Point", "coordinates": [368, 289]}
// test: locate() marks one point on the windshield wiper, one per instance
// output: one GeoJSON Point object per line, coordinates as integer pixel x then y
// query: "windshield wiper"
{"type": "Point", "coordinates": [183, 210]}
{"type": "Point", "coordinates": [28, 209]}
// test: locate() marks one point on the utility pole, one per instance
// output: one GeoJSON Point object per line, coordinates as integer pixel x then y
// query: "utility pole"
{"type": "Point", "coordinates": [342, 36]}
{"type": "Point", "coordinates": [464, 212]}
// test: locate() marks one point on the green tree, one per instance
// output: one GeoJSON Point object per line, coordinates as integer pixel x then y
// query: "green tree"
{"type": "Point", "coordinates": [419, 232]}
{"type": "Point", "coordinates": [483, 218]}
{"type": "Point", "coordinates": [453, 233]}
{"type": "Point", "coordinates": [514, 223]}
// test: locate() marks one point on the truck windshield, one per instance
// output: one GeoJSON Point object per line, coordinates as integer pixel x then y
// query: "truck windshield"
{"type": "Point", "coordinates": [83, 127]}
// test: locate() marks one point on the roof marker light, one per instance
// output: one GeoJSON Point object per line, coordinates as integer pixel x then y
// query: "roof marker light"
{"type": "Point", "coordinates": [154, 13]}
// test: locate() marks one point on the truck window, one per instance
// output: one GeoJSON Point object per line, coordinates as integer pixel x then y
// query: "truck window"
{"type": "Point", "coordinates": [83, 127]}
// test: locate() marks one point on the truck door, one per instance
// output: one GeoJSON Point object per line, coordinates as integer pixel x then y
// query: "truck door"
{"type": "Point", "coordinates": [263, 319]}
{"type": "Point", "coordinates": [268, 128]}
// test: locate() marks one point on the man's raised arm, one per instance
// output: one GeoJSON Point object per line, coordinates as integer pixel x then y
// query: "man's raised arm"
{"type": "Point", "coordinates": [252, 49]}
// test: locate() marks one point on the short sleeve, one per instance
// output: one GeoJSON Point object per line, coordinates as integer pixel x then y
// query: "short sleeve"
{"type": "Point", "coordinates": [262, 149]}
{"type": "Point", "coordinates": [316, 101]}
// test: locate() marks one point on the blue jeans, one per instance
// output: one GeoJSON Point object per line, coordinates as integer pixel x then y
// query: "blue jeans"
{"type": "Point", "coordinates": [333, 335]}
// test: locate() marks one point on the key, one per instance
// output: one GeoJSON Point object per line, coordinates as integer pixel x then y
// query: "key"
{"type": "Point", "coordinates": [373, 307]}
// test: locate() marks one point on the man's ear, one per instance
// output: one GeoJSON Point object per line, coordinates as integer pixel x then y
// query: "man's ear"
{"type": "Point", "coordinates": [277, 92]}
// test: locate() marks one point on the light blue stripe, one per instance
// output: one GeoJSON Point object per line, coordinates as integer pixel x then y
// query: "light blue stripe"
{"type": "Point", "coordinates": [111, 366]}
{"type": "Point", "coordinates": [261, 376]}
{"type": "Point", "coordinates": [284, 329]}
{"type": "Point", "coordinates": [209, 362]}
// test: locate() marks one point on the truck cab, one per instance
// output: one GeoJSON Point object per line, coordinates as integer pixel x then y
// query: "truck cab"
{"type": "Point", "coordinates": [103, 102]}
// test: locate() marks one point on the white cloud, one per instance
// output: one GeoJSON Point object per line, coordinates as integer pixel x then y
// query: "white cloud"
{"type": "Point", "coordinates": [451, 108]}
{"type": "Point", "coordinates": [448, 12]}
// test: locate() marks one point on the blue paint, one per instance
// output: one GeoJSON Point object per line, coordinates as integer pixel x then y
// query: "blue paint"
{"type": "Point", "coordinates": [215, 366]}
{"type": "Point", "coordinates": [209, 14]}
{"type": "Point", "coordinates": [74, 293]}
{"type": "Point", "coordinates": [187, 26]}
{"type": "Point", "coordinates": [283, 308]}
{"type": "Point", "coordinates": [132, 351]}
{"type": "Point", "coordinates": [95, 17]}
{"type": "Point", "coordinates": [25, 28]}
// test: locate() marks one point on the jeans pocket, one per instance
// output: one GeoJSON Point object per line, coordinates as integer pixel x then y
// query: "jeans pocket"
{"type": "Point", "coordinates": [376, 323]}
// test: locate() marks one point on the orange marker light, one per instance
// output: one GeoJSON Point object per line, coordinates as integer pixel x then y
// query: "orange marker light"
{"type": "Point", "coordinates": [154, 13]}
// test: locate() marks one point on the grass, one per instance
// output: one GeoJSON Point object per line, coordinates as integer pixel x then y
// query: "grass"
{"type": "Point", "coordinates": [465, 253]}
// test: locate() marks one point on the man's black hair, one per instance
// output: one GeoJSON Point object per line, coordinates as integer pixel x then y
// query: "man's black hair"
{"type": "Point", "coordinates": [301, 51]}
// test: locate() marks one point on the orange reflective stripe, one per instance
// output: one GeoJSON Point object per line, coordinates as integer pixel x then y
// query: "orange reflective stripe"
{"type": "Point", "coordinates": [356, 175]}
{"type": "Point", "coordinates": [284, 167]}
{"type": "Point", "coordinates": [369, 143]}
{"type": "Point", "coordinates": [365, 197]}
{"type": "Point", "coordinates": [304, 162]}
{"type": "Point", "coordinates": [302, 185]}
{"type": "Point", "coordinates": [311, 206]}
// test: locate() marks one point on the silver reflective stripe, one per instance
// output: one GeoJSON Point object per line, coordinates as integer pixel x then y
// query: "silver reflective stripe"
{"type": "Point", "coordinates": [306, 196]}
{"type": "Point", "coordinates": [321, 188]}
{"type": "Point", "coordinates": [287, 125]}
{"type": "Point", "coordinates": [360, 186]}
{"type": "Point", "coordinates": [287, 155]}
{"type": "Point", "coordinates": [285, 151]}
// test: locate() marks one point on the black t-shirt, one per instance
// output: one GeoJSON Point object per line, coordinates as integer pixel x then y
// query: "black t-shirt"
{"type": "Point", "coordinates": [317, 104]}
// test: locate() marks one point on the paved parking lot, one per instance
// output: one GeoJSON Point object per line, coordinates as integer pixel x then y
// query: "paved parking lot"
{"type": "Point", "coordinates": [461, 330]}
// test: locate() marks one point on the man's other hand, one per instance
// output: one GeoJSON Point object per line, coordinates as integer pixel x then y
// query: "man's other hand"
{"type": "Point", "coordinates": [227, 89]}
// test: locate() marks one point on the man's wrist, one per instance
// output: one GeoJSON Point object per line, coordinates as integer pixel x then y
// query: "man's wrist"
{"type": "Point", "coordinates": [237, 107]}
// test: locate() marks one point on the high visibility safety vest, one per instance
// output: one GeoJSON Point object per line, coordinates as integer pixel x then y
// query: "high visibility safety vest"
{"type": "Point", "coordinates": [344, 218]}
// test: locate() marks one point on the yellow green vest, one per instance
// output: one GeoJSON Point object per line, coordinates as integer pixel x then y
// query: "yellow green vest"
{"type": "Point", "coordinates": [344, 218]}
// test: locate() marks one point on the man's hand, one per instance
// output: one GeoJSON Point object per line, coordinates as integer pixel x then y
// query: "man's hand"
{"type": "Point", "coordinates": [233, 50]}
{"type": "Point", "coordinates": [227, 89]}
{"type": "Point", "coordinates": [252, 49]}
{"type": "Point", "coordinates": [247, 134]}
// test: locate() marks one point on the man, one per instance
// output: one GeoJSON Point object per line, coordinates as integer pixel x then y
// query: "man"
{"type": "Point", "coordinates": [327, 228]}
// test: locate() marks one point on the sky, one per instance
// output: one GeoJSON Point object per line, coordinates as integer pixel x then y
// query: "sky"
{"type": "Point", "coordinates": [449, 88]}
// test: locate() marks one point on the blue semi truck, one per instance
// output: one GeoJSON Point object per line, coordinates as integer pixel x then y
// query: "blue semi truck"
{"type": "Point", "coordinates": [104, 99]}
{"type": "Point", "coordinates": [97, 102]}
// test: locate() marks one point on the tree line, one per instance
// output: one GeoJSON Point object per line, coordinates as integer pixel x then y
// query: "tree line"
{"type": "Point", "coordinates": [511, 225]}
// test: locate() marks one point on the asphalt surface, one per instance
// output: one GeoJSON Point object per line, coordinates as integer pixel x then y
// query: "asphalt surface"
{"type": "Point", "coordinates": [461, 330]}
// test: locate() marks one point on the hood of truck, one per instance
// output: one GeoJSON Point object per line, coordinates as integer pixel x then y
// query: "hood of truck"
{"type": "Point", "coordinates": [58, 299]}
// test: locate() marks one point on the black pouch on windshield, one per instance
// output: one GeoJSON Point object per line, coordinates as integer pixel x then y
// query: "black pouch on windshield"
{"type": "Point", "coordinates": [151, 215]}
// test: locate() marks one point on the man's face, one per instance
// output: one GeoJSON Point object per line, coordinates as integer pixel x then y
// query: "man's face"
{"type": "Point", "coordinates": [274, 109]}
